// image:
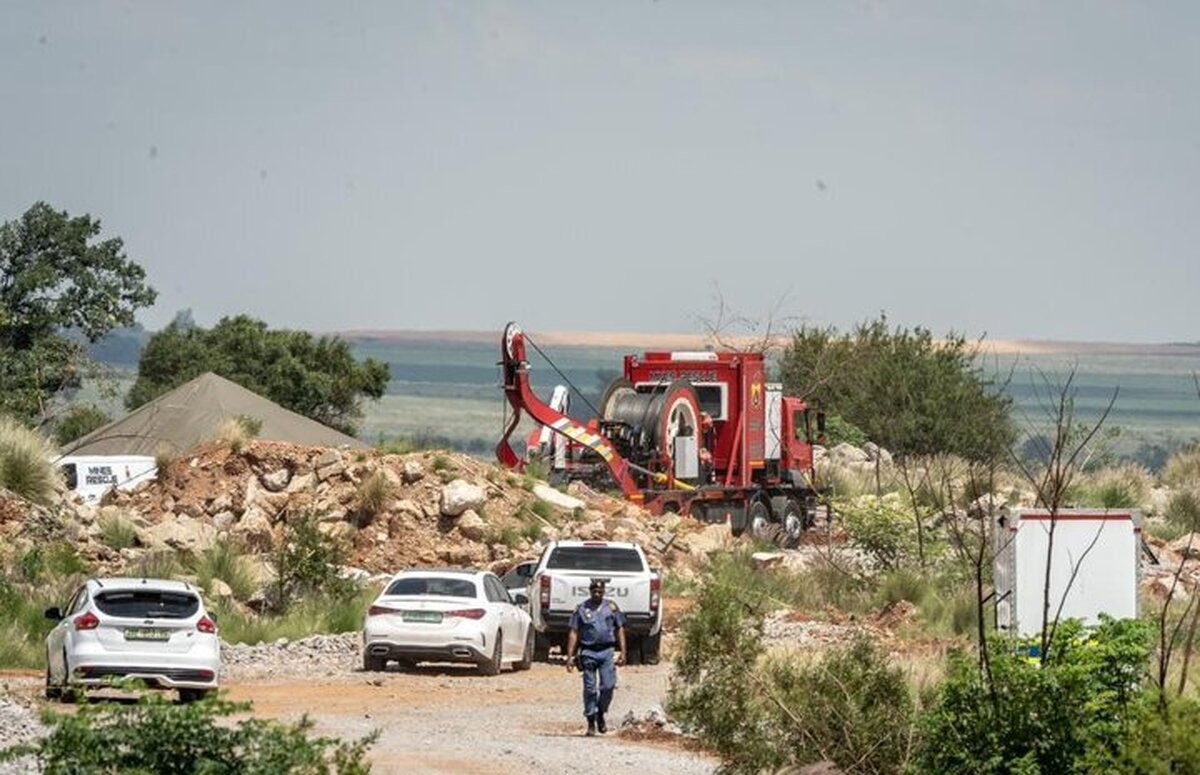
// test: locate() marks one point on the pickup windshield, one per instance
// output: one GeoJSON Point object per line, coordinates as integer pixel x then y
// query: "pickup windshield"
{"type": "Point", "coordinates": [595, 558]}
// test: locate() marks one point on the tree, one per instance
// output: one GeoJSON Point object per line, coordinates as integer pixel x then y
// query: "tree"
{"type": "Point", "coordinates": [317, 377]}
{"type": "Point", "coordinates": [907, 391]}
{"type": "Point", "coordinates": [57, 279]}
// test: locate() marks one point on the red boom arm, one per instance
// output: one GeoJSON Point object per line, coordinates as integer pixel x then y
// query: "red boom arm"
{"type": "Point", "coordinates": [522, 397]}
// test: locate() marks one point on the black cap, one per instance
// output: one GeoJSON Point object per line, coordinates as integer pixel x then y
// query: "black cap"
{"type": "Point", "coordinates": [598, 583]}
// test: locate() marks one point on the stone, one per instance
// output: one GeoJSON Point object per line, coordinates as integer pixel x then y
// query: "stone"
{"type": "Point", "coordinates": [406, 506]}
{"type": "Point", "coordinates": [471, 525]}
{"type": "Point", "coordinates": [182, 532]}
{"type": "Point", "coordinates": [330, 471]}
{"type": "Point", "coordinates": [337, 531]}
{"type": "Point", "coordinates": [276, 481]}
{"type": "Point", "coordinates": [224, 520]}
{"type": "Point", "coordinates": [848, 453]}
{"type": "Point", "coordinates": [458, 496]}
{"type": "Point", "coordinates": [301, 483]}
{"type": "Point", "coordinates": [327, 458]}
{"type": "Point", "coordinates": [254, 530]}
{"type": "Point", "coordinates": [555, 498]}
{"type": "Point", "coordinates": [412, 471]}
{"type": "Point", "coordinates": [220, 589]}
{"type": "Point", "coordinates": [766, 559]}
{"type": "Point", "coordinates": [223, 502]}
{"type": "Point", "coordinates": [1187, 546]}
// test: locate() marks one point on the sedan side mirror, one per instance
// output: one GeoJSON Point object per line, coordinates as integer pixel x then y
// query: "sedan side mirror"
{"type": "Point", "coordinates": [519, 598]}
{"type": "Point", "coordinates": [54, 615]}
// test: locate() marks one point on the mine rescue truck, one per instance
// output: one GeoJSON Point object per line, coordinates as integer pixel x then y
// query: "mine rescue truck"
{"type": "Point", "coordinates": [699, 433]}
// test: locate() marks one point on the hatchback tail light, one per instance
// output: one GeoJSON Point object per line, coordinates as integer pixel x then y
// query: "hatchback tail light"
{"type": "Point", "coordinates": [206, 625]}
{"type": "Point", "coordinates": [87, 621]}
{"type": "Point", "coordinates": [466, 613]}
{"type": "Point", "coordinates": [655, 593]}
{"type": "Point", "coordinates": [544, 591]}
{"type": "Point", "coordinates": [381, 610]}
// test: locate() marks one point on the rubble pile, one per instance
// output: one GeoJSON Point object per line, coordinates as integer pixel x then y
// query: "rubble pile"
{"type": "Point", "coordinates": [392, 511]}
{"type": "Point", "coordinates": [316, 655]}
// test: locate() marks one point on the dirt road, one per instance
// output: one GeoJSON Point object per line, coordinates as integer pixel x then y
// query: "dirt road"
{"type": "Point", "coordinates": [447, 720]}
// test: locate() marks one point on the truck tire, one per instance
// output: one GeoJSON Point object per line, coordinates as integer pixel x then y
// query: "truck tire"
{"type": "Point", "coordinates": [792, 524]}
{"type": "Point", "coordinates": [633, 651]}
{"type": "Point", "coordinates": [541, 647]}
{"type": "Point", "coordinates": [650, 648]}
{"type": "Point", "coordinates": [373, 664]}
{"type": "Point", "coordinates": [758, 520]}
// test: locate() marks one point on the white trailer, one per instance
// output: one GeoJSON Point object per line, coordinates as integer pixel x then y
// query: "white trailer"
{"type": "Point", "coordinates": [93, 475]}
{"type": "Point", "coordinates": [1093, 566]}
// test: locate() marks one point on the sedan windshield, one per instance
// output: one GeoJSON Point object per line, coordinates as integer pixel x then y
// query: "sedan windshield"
{"type": "Point", "coordinates": [432, 585]}
{"type": "Point", "coordinates": [147, 604]}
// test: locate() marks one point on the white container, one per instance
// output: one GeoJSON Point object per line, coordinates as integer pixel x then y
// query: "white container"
{"type": "Point", "coordinates": [1094, 566]}
{"type": "Point", "coordinates": [93, 475]}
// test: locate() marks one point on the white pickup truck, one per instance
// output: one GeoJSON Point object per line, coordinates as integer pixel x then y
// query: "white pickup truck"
{"type": "Point", "coordinates": [559, 582]}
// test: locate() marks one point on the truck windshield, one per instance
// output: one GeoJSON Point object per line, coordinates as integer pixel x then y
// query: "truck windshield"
{"type": "Point", "coordinates": [595, 558]}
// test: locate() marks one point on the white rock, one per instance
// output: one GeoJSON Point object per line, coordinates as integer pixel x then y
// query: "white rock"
{"type": "Point", "coordinates": [460, 495]}
{"type": "Point", "coordinates": [848, 453]}
{"type": "Point", "coordinates": [471, 525]}
{"type": "Point", "coordinates": [555, 498]}
{"type": "Point", "coordinates": [276, 481]}
{"type": "Point", "coordinates": [179, 532]}
{"type": "Point", "coordinates": [220, 589]}
{"type": "Point", "coordinates": [412, 471]}
{"type": "Point", "coordinates": [224, 520]}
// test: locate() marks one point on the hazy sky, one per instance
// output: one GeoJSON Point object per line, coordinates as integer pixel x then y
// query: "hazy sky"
{"type": "Point", "coordinates": [1016, 168]}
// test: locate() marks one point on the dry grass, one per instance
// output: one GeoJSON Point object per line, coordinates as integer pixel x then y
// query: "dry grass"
{"type": "Point", "coordinates": [374, 495]}
{"type": "Point", "coordinates": [25, 464]}
{"type": "Point", "coordinates": [1116, 487]}
{"type": "Point", "coordinates": [237, 431]}
{"type": "Point", "coordinates": [1183, 468]}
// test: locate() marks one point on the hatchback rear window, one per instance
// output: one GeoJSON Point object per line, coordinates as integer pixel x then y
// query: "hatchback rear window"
{"type": "Point", "coordinates": [608, 558]}
{"type": "Point", "coordinates": [433, 585]}
{"type": "Point", "coordinates": [148, 604]}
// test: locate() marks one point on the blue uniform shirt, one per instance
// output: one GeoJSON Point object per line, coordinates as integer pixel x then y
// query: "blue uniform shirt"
{"type": "Point", "coordinates": [597, 624]}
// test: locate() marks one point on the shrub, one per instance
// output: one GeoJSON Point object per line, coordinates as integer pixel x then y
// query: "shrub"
{"type": "Point", "coordinates": [839, 430]}
{"type": "Point", "coordinates": [307, 563]}
{"type": "Point", "coordinates": [537, 469]}
{"type": "Point", "coordinates": [883, 528]}
{"type": "Point", "coordinates": [79, 421]}
{"type": "Point", "coordinates": [236, 431]}
{"type": "Point", "coordinates": [25, 466]}
{"type": "Point", "coordinates": [223, 560]}
{"type": "Point", "coordinates": [116, 532]}
{"type": "Point", "coordinates": [373, 496]}
{"type": "Point", "coordinates": [1065, 714]}
{"type": "Point", "coordinates": [1183, 509]}
{"type": "Point", "coordinates": [1183, 468]}
{"type": "Point", "coordinates": [156, 736]}
{"type": "Point", "coordinates": [1116, 487]}
{"type": "Point", "coordinates": [157, 565]}
{"type": "Point", "coordinates": [851, 707]}
{"type": "Point", "coordinates": [1160, 739]}
{"type": "Point", "coordinates": [320, 613]}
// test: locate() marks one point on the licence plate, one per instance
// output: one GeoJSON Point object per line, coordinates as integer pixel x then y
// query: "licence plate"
{"type": "Point", "coordinates": [146, 634]}
{"type": "Point", "coordinates": [432, 617]}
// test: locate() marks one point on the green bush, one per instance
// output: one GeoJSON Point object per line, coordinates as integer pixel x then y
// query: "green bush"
{"type": "Point", "coordinates": [223, 560]}
{"type": "Point", "coordinates": [116, 532]}
{"type": "Point", "coordinates": [1183, 509]}
{"type": "Point", "coordinates": [1067, 714]}
{"type": "Point", "coordinates": [851, 707]}
{"type": "Point", "coordinates": [883, 528]}
{"type": "Point", "coordinates": [155, 736]}
{"type": "Point", "coordinates": [30, 584]}
{"type": "Point", "coordinates": [77, 422]}
{"type": "Point", "coordinates": [1160, 739]}
{"type": "Point", "coordinates": [25, 466]}
{"type": "Point", "coordinates": [307, 563]}
{"type": "Point", "coordinates": [1115, 487]}
{"type": "Point", "coordinates": [839, 430]}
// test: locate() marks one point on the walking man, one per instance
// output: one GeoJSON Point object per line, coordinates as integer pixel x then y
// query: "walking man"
{"type": "Point", "coordinates": [596, 627]}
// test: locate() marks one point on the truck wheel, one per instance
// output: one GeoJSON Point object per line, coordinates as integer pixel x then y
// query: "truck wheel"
{"type": "Point", "coordinates": [650, 647]}
{"type": "Point", "coordinates": [759, 518]}
{"type": "Point", "coordinates": [633, 651]}
{"type": "Point", "coordinates": [373, 664]}
{"type": "Point", "coordinates": [792, 524]}
{"type": "Point", "coordinates": [541, 647]}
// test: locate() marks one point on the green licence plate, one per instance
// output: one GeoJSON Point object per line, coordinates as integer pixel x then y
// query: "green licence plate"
{"type": "Point", "coordinates": [146, 634]}
{"type": "Point", "coordinates": [431, 617]}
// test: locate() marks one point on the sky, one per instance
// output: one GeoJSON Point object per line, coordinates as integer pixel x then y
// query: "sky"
{"type": "Point", "coordinates": [1009, 169]}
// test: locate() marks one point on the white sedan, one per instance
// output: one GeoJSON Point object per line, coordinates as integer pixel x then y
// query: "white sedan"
{"type": "Point", "coordinates": [150, 629]}
{"type": "Point", "coordinates": [447, 616]}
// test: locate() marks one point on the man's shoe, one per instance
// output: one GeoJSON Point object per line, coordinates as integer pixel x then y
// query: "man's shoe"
{"type": "Point", "coordinates": [591, 726]}
{"type": "Point", "coordinates": [601, 727]}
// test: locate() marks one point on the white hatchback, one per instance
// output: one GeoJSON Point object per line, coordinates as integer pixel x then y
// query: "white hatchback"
{"type": "Point", "coordinates": [154, 630]}
{"type": "Point", "coordinates": [447, 616]}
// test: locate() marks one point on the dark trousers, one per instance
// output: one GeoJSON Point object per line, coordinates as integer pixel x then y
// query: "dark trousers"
{"type": "Point", "coordinates": [599, 679]}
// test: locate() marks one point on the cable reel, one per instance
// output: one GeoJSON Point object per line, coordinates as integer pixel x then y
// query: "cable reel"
{"type": "Point", "coordinates": [645, 421]}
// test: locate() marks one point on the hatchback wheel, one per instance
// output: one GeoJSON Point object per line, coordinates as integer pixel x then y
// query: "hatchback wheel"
{"type": "Point", "coordinates": [52, 692]}
{"type": "Point", "coordinates": [188, 696]}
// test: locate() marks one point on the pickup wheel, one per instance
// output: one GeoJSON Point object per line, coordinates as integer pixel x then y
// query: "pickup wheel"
{"type": "Point", "coordinates": [650, 647]}
{"type": "Point", "coordinates": [373, 664]}
{"type": "Point", "coordinates": [526, 660]}
{"type": "Point", "coordinates": [633, 651]}
{"type": "Point", "coordinates": [541, 646]}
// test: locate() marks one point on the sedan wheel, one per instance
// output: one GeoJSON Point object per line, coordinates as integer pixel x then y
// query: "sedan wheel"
{"type": "Point", "coordinates": [492, 666]}
{"type": "Point", "coordinates": [526, 660]}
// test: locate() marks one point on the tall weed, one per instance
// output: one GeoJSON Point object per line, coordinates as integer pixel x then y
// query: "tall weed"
{"type": "Point", "coordinates": [25, 464]}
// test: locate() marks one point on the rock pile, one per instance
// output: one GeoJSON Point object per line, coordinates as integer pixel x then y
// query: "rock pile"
{"type": "Point", "coordinates": [316, 655]}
